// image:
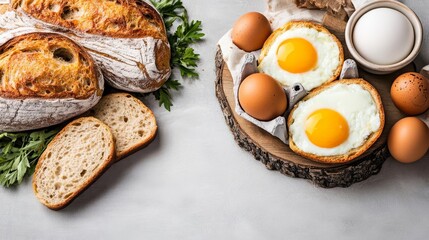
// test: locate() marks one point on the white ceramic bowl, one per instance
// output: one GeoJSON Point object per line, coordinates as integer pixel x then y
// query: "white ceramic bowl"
{"type": "Point", "coordinates": [385, 69]}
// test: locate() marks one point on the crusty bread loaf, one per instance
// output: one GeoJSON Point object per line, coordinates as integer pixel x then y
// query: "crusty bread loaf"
{"type": "Point", "coordinates": [354, 153]}
{"type": "Point", "coordinates": [114, 18]}
{"type": "Point", "coordinates": [127, 38]}
{"type": "Point", "coordinates": [75, 158]}
{"type": "Point", "coordinates": [46, 65]}
{"type": "Point", "coordinates": [132, 123]}
{"type": "Point", "coordinates": [45, 79]}
{"type": "Point", "coordinates": [341, 9]}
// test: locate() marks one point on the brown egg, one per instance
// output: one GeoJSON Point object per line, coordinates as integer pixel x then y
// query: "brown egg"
{"type": "Point", "coordinates": [409, 140]}
{"type": "Point", "coordinates": [262, 97]}
{"type": "Point", "coordinates": [250, 31]}
{"type": "Point", "coordinates": [410, 93]}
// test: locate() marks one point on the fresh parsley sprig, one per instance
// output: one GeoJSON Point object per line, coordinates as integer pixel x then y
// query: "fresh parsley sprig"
{"type": "Point", "coordinates": [183, 56]}
{"type": "Point", "coordinates": [170, 11]}
{"type": "Point", "coordinates": [19, 153]}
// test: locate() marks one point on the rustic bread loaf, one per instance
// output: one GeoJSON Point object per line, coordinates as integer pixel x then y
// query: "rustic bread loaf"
{"type": "Point", "coordinates": [127, 38]}
{"type": "Point", "coordinates": [132, 123]}
{"type": "Point", "coordinates": [114, 18]}
{"type": "Point", "coordinates": [75, 158]}
{"type": "Point", "coordinates": [45, 79]}
{"type": "Point", "coordinates": [341, 9]}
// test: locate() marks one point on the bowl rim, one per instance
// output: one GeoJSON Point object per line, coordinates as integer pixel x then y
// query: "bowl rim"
{"type": "Point", "coordinates": [396, 5]}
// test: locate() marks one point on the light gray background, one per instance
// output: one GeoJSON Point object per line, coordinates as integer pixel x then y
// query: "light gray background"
{"type": "Point", "coordinates": [194, 182]}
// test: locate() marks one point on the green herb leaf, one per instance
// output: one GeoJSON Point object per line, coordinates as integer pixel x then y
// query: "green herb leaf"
{"type": "Point", "coordinates": [170, 11]}
{"type": "Point", "coordinates": [19, 153]}
{"type": "Point", "coordinates": [163, 95]}
{"type": "Point", "coordinates": [183, 57]}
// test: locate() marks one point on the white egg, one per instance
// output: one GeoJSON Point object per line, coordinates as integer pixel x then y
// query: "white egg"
{"type": "Point", "coordinates": [384, 36]}
{"type": "Point", "coordinates": [353, 102]}
{"type": "Point", "coordinates": [329, 56]}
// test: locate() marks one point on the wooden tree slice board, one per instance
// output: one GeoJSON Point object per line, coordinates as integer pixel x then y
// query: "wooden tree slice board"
{"type": "Point", "coordinates": [278, 156]}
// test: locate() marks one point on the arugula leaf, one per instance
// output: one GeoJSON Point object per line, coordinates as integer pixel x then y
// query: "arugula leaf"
{"type": "Point", "coordinates": [19, 153]}
{"type": "Point", "coordinates": [183, 56]}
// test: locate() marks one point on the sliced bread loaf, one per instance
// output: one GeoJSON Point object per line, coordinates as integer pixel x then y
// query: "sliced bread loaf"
{"type": "Point", "coordinates": [75, 158]}
{"type": "Point", "coordinates": [132, 123]}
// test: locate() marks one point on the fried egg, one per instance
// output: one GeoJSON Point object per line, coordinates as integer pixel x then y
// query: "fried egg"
{"type": "Point", "coordinates": [338, 122]}
{"type": "Point", "coordinates": [302, 52]}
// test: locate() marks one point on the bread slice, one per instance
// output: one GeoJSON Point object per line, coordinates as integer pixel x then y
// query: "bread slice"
{"type": "Point", "coordinates": [132, 123]}
{"type": "Point", "coordinates": [353, 153]}
{"type": "Point", "coordinates": [75, 158]}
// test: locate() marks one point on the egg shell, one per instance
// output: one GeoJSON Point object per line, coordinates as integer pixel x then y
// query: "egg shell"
{"type": "Point", "coordinates": [409, 140]}
{"type": "Point", "coordinates": [262, 97]}
{"type": "Point", "coordinates": [250, 31]}
{"type": "Point", "coordinates": [410, 93]}
{"type": "Point", "coordinates": [383, 36]}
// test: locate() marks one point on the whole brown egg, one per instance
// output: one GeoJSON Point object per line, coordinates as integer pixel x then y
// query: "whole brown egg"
{"type": "Point", "coordinates": [251, 31]}
{"type": "Point", "coordinates": [262, 97]}
{"type": "Point", "coordinates": [408, 140]}
{"type": "Point", "coordinates": [410, 94]}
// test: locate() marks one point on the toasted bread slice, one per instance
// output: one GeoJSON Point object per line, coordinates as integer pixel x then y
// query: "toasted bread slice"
{"type": "Point", "coordinates": [132, 123]}
{"type": "Point", "coordinates": [291, 26]}
{"type": "Point", "coordinates": [353, 153]}
{"type": "Point", "coordinates": [75, 158]}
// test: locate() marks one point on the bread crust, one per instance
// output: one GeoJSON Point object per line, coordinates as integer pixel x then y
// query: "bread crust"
{"type": "Point", "coordinates": [114, 18]}
{"type": "Point", "coordinates": [304, 24]}
{"type": "Point", "coordinates": [138, 147]}
{"type": "Point", "coordinates": [46, 65]}
{"type": "Point", "coordinates": [4, 8]}
{"type": "Point", "coordinates": [87, 183]}
{"type": "Point", "coordinates": [354, 153]}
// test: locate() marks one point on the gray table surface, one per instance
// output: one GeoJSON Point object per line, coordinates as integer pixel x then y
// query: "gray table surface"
{"type": "Point", "coordinates": [194, 182]}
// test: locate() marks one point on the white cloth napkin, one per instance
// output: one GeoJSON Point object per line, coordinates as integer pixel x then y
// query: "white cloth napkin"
{"type": "Point", "coordinates": [279, 12]}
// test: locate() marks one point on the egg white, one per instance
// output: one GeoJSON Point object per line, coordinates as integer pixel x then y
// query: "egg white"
{"type": "Point", "coordinates": [328, 59]}
{"type": "Point", "coordinates": [353, 102]}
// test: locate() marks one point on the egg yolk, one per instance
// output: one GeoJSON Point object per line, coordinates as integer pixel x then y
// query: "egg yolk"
{"type": "Point", "coordinates": [326, 128]}
{"type": "Point", "coordinates": [296, 55]}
